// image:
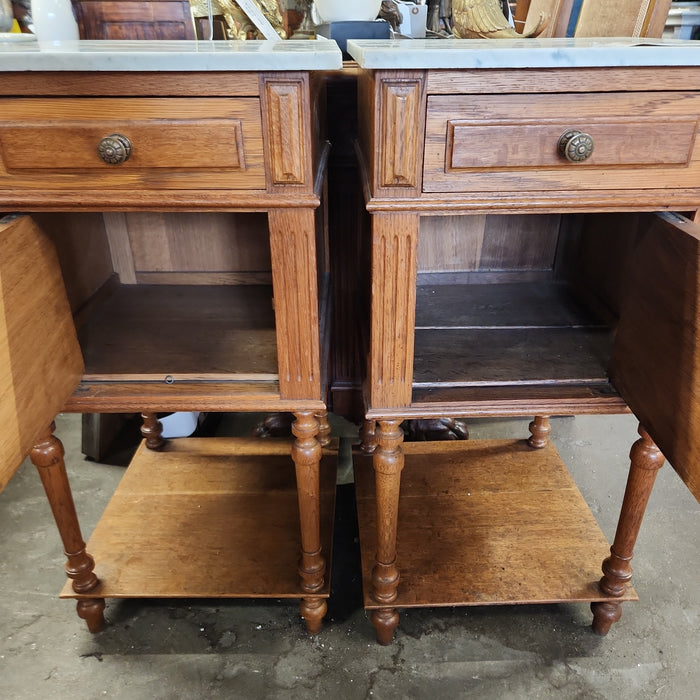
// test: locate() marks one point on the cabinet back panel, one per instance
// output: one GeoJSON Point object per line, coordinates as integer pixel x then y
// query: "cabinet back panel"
{"type": "Point", "coordinates": [493, 242]}
{"type": "Point", "coordinates": [190, 248]}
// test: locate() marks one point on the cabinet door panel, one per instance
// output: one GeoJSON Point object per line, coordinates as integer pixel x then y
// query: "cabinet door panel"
{"type": "Point", "coordinates": [40, 360]}
{"type": "Point", "coordinates": [656, 357]}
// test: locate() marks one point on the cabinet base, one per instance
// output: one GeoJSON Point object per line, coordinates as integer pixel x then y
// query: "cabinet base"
{"type": "Point", "coordinates": [208, 518]}
{"type": "Point", "coordinates": [485, 522]}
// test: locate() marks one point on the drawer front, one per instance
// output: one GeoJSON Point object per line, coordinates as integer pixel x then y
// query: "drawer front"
{"type": "Point", "coordinates": [206, 143]}
{"type": "Point", "coordinates": [493, 143]}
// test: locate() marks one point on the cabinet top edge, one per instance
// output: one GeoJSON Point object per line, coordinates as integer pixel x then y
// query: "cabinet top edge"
{"type": "Point", "coordinates": [424, 54]}
{"type": "Point", "coordinates": [144, 56]}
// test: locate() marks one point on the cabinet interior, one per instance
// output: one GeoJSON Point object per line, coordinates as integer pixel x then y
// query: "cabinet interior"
{"type": "Point", "coordinates": [506, 300]}
{"type": "Point", "coordinates": [157, 296]}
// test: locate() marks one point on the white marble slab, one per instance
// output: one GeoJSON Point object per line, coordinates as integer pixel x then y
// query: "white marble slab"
{"type": "Point", "coordinates": [523, 53]}
{"type": "Point", "coordinates": [169, 55]}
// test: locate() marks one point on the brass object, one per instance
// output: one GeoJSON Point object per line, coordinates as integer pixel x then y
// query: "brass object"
{"type": "Point", "coordinates": [114, 149]}
{"type": "Point", "coordinates": [484, 19]}
{"type": "Point", "coordinates": [575, 146]}
{"type": "Point", "coordinates": [238, 25]}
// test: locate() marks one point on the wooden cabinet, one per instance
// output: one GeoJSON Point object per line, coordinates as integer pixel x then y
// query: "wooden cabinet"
{"type": "Point", "coordinates": [509, 277]}
{"type": "Point", "coordinates": [140, 186]}
{"type": "Point", "coordinates": [131, 19]}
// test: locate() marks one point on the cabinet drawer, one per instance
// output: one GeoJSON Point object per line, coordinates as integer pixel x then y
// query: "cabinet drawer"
{"type": "Point", "coordinates": [511, 142]}
{"type": "Point", "coordinates": [207, 143]}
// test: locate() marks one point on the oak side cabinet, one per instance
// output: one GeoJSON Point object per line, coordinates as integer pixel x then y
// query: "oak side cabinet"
{"type": "Point", "coordinates": [518, 269]}
{"type": "Point", "coordinates": [173, 258]}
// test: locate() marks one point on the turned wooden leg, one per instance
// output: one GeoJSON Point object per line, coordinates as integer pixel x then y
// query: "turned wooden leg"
{"type": "Point", "coordinates": [152, 431]}
{"type": "Point", "coordinates": [368, 438]}
{"type": "Point", "coordinates": [47, 457]}
{"type": "Point", "coordinates": [388, 462]}
{"type": "Point", "coordinates": [645, 461]}
{"type": "Point", "coordinates": [306, 453]}
{"type": "Point", "coordinates": [324, 428]}
{"type": "Point", "coordinates": [539, 432]}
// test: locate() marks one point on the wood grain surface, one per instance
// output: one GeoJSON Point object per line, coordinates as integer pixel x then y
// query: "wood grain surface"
{"type": "Point", "coordinates": [40, 360]}
{"type": "Point", "coordinates": [208, 517]}
{"type": "Point", "coordinates": [131, 19]}
{"type": "Point", "coordinates": [187, 332]}
{"type": "Point", "coordinates": [176, 143]}
{"type": "Point", "coordinates": [631, 18]}
{"type": "Point", "coordinates": [509, 142]}
{"type": "Point", "coordinates": [656, 358]}
{"type": "Point", "coordinates": [485, 522]}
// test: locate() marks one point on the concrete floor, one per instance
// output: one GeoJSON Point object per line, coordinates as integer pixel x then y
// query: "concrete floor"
{"type": "Point", "coordinates": [253, 649]}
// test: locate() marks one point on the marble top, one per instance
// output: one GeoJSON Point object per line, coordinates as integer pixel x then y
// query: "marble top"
{"type": "Point", "coordinates": [32, 55]}
{"type": "Point", "coordinates": [522, 53]}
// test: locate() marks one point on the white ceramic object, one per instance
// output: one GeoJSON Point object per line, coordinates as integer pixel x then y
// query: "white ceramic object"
{"type": "Point", "coordinates": [180, 424]}
{"type": "Point", "coordinates": [54, 20]}
{"type": "Point", "coordinates": [345, 10]}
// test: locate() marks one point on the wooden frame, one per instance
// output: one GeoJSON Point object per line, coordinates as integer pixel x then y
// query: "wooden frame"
{"type": "Point", "coordinates": [632, 18]}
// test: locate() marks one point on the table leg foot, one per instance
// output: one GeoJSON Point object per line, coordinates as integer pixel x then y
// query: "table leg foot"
{"type": "Point", "coordinates": [539, 432]}
{"type": "Point", "coordinates": [385, 621]}
{"type": "Point", "coordinates": [604, 615]}
{"type": "Point", "coordinates": [313, 610]}
{"type": "Point", "coordinates": [92, 611]}
{"type": "Point", "coordinates": [152, 431]}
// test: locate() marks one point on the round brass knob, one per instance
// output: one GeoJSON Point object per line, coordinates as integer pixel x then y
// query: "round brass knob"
{"type": "Point", "coordinates": [575, 146]}
{"type": "Point", "coordinates": [114, 149]}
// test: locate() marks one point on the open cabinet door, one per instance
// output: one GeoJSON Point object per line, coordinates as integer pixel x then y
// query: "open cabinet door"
{"type": "Point", "coordinates": [656, 356]}
{"type": "Point", "coordinates": [40, 359]}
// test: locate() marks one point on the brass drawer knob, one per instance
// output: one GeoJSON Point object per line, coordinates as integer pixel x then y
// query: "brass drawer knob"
{"type": "Point", "coordinates": [575, 146]}
{"type": "Point", "coordinates": [114, 149]}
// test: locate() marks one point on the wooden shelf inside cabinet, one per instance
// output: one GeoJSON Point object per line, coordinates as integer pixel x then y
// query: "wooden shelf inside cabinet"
{"type": "Point", "coordinates": [485, 522]}
{"type": "Point", "coordinates": [186, 332]}
{"type": "Point", "coordinates": [506, 334]}
{"type": "Point", "coordinates": [208, 518]}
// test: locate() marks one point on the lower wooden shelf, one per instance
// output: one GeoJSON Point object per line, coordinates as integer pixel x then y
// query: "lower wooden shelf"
{"type": "Point", "coordinates": [485, 522]}
{"type": "Point", "coordinates": [208, 518]}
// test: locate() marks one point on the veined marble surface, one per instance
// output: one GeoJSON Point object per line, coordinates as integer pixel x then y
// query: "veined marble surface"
{"type": "Point", "coordinates": [169, 55]}
{"type": "Point", "coordinates": [523, 53]}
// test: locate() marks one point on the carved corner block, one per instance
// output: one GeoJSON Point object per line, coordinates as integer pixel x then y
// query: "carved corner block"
{"type": "Point", "coordinates": [285, 110]}
{"type": "Point", "coordinates": [401, 132]}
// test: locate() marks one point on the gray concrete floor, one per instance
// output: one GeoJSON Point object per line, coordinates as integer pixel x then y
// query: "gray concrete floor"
{"type": "Point", "coordinates": [254, 649]}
